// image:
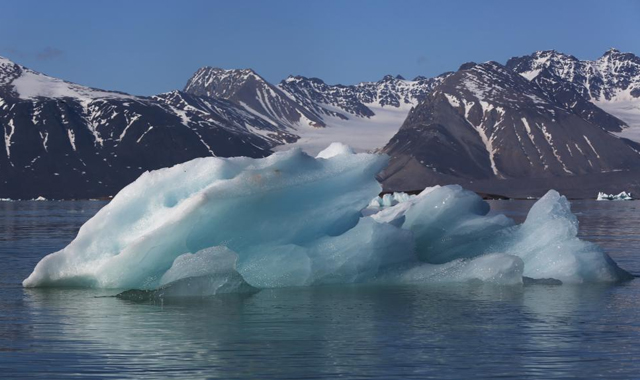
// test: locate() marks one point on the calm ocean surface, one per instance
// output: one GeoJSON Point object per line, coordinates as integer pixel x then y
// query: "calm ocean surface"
{"type": "Point", "coordinates": [363, 332]}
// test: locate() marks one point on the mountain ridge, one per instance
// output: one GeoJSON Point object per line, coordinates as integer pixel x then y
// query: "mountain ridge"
{"type": "Point", "coordinates": [63, 140]}
{"type": "Point", "coordinates": [489, 124]}
{"type": "Point", "coordinates": [525, 128]}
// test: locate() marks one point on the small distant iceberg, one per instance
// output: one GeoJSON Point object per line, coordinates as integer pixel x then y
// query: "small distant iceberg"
{"type": "Point", "coordinates": [623, 196]}
{"type": "Point", "coordinates": [40, 199]}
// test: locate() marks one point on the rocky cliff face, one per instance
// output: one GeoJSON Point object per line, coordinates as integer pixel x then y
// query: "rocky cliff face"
{"type": "Point", "coordinates": [547, 117]}
{"type": "Point", "coordinates": [250, 91]}
{"type": "Point", "coordinates": [63, 140]}
{"type": "Point", "coordinates": [487, 122]}
{"type": "Point", "coordinates": [611, 82]}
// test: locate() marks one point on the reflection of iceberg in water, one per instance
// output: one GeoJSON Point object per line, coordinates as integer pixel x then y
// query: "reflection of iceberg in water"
{"type": "Point", "coordinates": [320, 329]}
{"type": "Point", "coordinates": [623, 196]}
{"type": "Point", "coordinates": [294, 220]}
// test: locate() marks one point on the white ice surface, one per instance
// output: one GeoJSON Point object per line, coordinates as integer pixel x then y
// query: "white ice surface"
{"type": "Point", "coordinates": [361, 133]}
{"type": "Point", "coordinates": [32, 85]}
{"type": "Point", "coordinates": [294, 220]}
{"type": "Point", "coordinates": [623, 196]}
{"type": "Point", "coordinates": [627, 110]}
{"type": "Point", "coordinates": [335, 149]}
{"type": "Point", "coordinates": [388, 200]}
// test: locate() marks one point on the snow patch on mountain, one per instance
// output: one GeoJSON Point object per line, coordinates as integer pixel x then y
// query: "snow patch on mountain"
{"type": "Point", "coordinates": [362, 134]}
{"type": "Point", "coordinates": [32, 85]}
{"type": "Point", "coordinates": [611, 82]}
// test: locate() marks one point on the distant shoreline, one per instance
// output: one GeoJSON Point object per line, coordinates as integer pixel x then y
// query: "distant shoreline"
{"type": "Point", "coordinates": [485, 196]}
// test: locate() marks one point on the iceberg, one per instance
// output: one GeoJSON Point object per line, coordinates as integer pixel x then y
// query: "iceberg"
{"type": "Point", "coordinates": [623, 196]}
{"type": "Point", "coordinates": [216, 225]}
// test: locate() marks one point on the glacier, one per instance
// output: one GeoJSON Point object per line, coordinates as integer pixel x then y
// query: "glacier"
{"type": "Point", "coordinates": [217, 225]}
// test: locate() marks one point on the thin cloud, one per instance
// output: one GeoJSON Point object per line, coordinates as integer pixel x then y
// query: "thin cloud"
{"type": "Point", "coordinates": [16, 53]}
{"type": "Point", "coordinates": [48, 54]}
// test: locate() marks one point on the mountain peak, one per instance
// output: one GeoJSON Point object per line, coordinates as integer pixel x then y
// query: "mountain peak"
{"type": "Point", "coordinates": [467, 66]}
{"type": "Point", "coordinates": [4, 60]}
{"type": "Point", "coordinates": [617, 55]}
{"type": "Point", "coordinates": [543, 57]}
{"type": "Point", "coordinates": [8, 71]}
{"type": "Point", "coordinates": [217, 71]}
{"type": "Point", "coordinates": [544, 53]}
{"type": "Point", "coordinates": [301, 78]}
{"type": "Point", "coordinates": [218, 82]}
{"type": "Point", "coordinates": [391, 78]}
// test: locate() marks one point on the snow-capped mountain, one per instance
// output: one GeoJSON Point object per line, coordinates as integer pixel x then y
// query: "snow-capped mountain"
{"type": "Point", "coordinates": [365, 115]}
{"type": "Point", "coordinates": [66, 140]}
{"type": "Point", "coordinates": [206, 111]}
{"type": "Point", "coordinates": [611, 82]}
{"type": "Point", "coordinates": [546, 117]}
{"type": "Point", "coordinates": [488, 122]}
{"type": "Point", "coordinates": [361, 99]}
{"type": "Point", "coordinates": [250, 91]}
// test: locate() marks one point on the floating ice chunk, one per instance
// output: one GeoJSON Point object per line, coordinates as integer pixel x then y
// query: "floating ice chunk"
{"type": "Point", "coordinates": [240, 203]}
{"type": "Point", "coordinates": [213, 225]}
{"type": "Point", "coordinates": [206, 273]}
{"type": "Point", "coordinates": [214, 260]}
{"type": "Point", "coordinates": [623, 196]}
{"type": "Point", "coordinates": [388, 200]}
{"type": "Point", "coordinates": [202, 286]}
{"type": "Point", "coordinates": [451, 223]}
{"type": "Point", "coordinates": [547, 242]}
{"type": "Point", "coordinates": [493, 268]}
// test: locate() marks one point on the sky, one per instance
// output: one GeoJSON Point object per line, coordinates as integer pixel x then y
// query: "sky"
{"type": "Point", "coordinates": [149, 47]}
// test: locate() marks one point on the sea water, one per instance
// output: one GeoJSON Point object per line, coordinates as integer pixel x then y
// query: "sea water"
{"type": "Point", "coordinates": [366, 331]}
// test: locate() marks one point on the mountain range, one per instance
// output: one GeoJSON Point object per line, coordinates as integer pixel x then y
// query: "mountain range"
{"type": "Point", "coordinates": [518, 129]}
{"type": "Point", "coordinates": [538, 121]}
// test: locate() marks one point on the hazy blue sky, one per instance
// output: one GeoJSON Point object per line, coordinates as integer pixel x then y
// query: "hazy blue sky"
{"type": "Point", "coordinates": [147, 47]}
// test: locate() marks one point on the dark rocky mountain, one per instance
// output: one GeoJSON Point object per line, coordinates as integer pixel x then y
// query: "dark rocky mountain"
{"type": "Point", "coordinates": [612, 82]}
{"type": "Point", "coordinates": [62, 140]}
{"type": "Point", "coordinates": [345, 101]}
{"type": "Point", "coordinates": [365, 115]}
{"type": "Point", "coordinates": [543, 120]}
{"type": "Point", "coordinates": [566, 95]}
{"type": "Point", "coordinates": [487, 122]}
{"type": "Point", "coordinates": [250, 91]}
{"type": "Point", "coordinates": [324, 99]}
{"type": "Point", "coordinates": [206, 111]}
{"type": "Point", "coordinates": [603, 79]}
